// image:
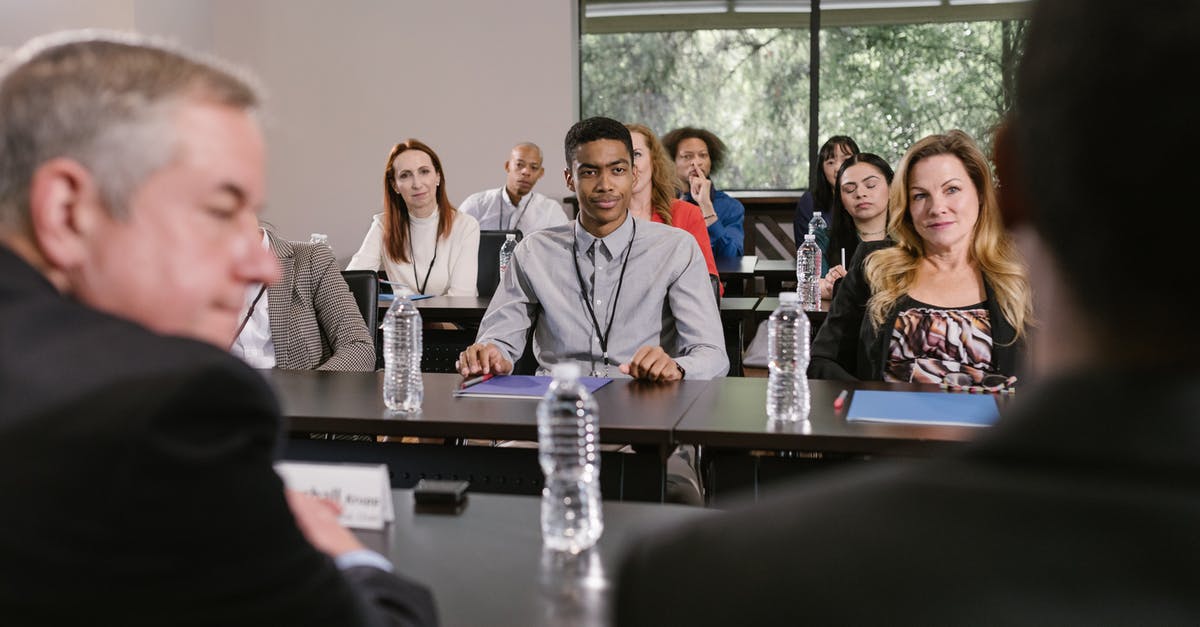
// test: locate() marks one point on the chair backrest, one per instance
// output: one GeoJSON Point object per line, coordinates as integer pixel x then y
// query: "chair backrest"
{"type": "Point", "coordinates": [364, 285]}
{"type": "Point", "coordinates": [489, 260]}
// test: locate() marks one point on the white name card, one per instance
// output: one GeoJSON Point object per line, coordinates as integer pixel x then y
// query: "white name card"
{"type": "Point", "coordinates": [364, 491]}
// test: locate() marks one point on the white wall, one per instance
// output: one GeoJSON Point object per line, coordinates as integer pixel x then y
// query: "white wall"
{"type": "Point", "coordinates": [346, 80]}
{"type": "Point", "coordinates": [23, 19]}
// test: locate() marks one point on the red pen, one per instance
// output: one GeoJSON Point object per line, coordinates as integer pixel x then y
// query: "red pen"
{"type": "Point", "coordinates": [475, 380]}
{"type": "Point", "coordinates": [840, 400]}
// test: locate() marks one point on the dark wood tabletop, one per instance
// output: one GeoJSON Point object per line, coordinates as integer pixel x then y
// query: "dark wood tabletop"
{"type": "Point", "coordinates": [631, 412]}
{"type": "Point", "coordinates": [732, 413]}
{"type": "Point", "coordinates": [769, 304]}
{"type": "Point", "coordinates": [486, 566]}
{"type": "Point", "coordinates": [736, 267]}
{"type": "Point", "coordinates": [783, 268]}
{"type": "Point", "coordinates": [739, 307]}
{"type": "Point", "coordinates": [447, 308]}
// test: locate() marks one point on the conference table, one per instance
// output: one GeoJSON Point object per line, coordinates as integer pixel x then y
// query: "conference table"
{"type": "Point", "coordinates": [775, 272]}
{"type": "Point", "coordinates": [736, 272]}
{"type": "Point", "coordinates": [740, 448]}
{"type": "Point", "coordinates": [486, 565]}
{"type": "Point", "coordinates": [740, 274]}
{"type": "Point", "coordinates": [634, 413]}
{"type": "Point", "coordinates": [725, 418]}
{"type": "Point", "coordinates": [445, 308]}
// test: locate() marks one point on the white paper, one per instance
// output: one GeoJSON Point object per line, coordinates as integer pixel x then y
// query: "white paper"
{"type": "Point", "coordinates": [364, 491]}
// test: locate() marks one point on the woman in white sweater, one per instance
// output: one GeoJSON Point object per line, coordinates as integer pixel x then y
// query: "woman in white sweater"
{"type": "Point", "coordinates": [420, 240]}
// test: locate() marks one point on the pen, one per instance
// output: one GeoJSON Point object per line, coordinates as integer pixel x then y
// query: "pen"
{"type": "Point", "coordinates": [843, 257]}
{"type": "Point", "coordinates": [475, 380]}
{"type": "Point", "coordinates": [840, 400]}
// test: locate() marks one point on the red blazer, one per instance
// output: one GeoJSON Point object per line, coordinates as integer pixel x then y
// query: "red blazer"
{"type": "Point", "coordinates": [687, 216]}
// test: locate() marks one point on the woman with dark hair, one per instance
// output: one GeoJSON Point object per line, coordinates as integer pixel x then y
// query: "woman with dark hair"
{"type": "Point", "coordinates": [654, 193]}
{"type": "Point", "coordinates": [420, 240]}
{"type": "Point", "coordinates": [860, 211]}
{"type": "Point", "coordinates": [819, 196]}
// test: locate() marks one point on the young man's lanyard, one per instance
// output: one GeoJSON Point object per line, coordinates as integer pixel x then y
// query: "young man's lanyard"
{"type": "Point", "coordinates": [603, 337]}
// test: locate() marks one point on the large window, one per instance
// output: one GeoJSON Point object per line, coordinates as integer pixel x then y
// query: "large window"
{"type": "Point", "coordinates": [887, 76]}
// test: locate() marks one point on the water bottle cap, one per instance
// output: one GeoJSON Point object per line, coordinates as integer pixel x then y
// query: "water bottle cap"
{"type": "Point", "coordinates": [511, 237]}
{"type": "Point", "coordinates": [789, 298]}
{"type": "Point", "coordinates": [816, 213]}
{"type": "Point", "coordinates": [810, 237]}
{"type": "Point", "coordinates": [402, 291]}
{"type": "Point", "coordinates": [565, 370]}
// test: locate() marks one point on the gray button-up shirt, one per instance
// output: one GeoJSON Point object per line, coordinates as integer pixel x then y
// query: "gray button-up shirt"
{"type": "Point", "coordinates": [666, 299]}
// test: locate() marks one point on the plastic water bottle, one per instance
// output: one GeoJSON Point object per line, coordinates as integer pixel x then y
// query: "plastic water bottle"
{"type": "Point", "coordinates": [817, 223]}
{"type": "Point", "coordinates": [569, 452]}
{"type": "Point", "coordinates": [320, 238]}
{"type": "Point", "coordinates": [787, 350]}
{"type": "Point", "coordinates": [506, 251]}
{"type": "Point", "coordinates": [403, 389]}
{"type": "Point", "coordinates": [808, 273]}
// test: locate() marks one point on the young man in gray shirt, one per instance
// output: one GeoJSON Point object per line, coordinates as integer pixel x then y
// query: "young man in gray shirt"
{"type": "Point", "coordinates": [618, 296]}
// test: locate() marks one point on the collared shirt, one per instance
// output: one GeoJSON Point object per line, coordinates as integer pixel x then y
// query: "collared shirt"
{"type": "Point", "coordinates": [665, 300]}
{"type": "Point", "coordinates": [495, 211]}
{"type": "Point", "coordinates": [254, 345]}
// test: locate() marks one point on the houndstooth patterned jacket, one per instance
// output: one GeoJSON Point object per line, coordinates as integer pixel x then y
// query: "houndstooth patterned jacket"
{"type": "Point", "coordinates": [315, 323]}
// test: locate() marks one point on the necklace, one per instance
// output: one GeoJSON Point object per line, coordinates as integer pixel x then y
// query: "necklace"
{"type": "Point", "coordinates": [872, 233]}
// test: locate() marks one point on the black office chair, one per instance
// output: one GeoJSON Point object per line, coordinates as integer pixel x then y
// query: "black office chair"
{"type": "Point", "coordinates": [489, 260]}
{"type": "Point", "coordinates": [364, 285]}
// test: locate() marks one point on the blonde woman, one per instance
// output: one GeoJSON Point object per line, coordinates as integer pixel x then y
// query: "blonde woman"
{"type": "Point", "coordinates": [946, 300]}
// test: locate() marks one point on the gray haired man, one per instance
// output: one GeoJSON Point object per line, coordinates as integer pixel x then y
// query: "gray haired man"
{"type": "Point", "coordinates": [135, 453]}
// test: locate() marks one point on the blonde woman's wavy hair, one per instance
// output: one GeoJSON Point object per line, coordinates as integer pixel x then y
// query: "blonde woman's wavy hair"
{"type": "Point", "coordinates": [664, 185]}
{"type": "Point", "coordinates": [892, 271]}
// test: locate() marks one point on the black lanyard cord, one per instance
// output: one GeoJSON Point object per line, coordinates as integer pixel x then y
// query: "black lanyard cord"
{"type": "Point", "coordinates": [518, 211]}
{"type": "Point", "coordinates": [249, 312]}
{"type": "Point", "coordinates": [620, 281]}
{"type": "Point", "coordinates": [412, 252]}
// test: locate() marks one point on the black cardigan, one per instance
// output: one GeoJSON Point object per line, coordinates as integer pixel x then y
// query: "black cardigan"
{"type": "Point", "coordinates": [848, 346]}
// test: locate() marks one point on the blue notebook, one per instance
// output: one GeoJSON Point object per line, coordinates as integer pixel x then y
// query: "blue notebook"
{"type": "Point", "coordinates": [523, 386]}
{"type": "Point", "coordinates": [923, 408]}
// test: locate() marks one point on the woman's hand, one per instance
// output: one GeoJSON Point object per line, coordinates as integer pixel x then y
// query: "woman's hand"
{"type": "Point", "coordinates": [829, 279]}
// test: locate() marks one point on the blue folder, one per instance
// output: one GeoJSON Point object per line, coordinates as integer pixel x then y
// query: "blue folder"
{"type": "Point", "coordinates": [923, 408]}
{"type": "Point", "coordinates": [523, 386]}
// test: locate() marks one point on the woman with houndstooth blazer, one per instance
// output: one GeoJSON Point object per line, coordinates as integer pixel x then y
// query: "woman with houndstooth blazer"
{"type": "Point", "coordinates": [308, 319]}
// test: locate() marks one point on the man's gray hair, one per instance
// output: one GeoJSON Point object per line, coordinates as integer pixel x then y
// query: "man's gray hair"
{"type": "Point", "coordinates": [105, 100]}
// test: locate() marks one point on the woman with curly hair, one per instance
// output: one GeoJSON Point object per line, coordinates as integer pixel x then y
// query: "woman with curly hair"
{"type": "Point", "coordinates": [655, 193]}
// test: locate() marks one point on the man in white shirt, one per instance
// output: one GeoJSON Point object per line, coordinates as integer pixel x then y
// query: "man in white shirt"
{"type": "Point", "coordinates": [516, 205]}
